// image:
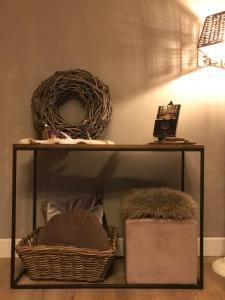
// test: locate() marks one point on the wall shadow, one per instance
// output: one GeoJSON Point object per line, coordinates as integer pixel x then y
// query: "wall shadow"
{"type": "Point", "coordinates": [112, 171]}
{"type": "Point", "coordinates": [145, 44]}
{"type": "Point", "coordinates": [132, 45]}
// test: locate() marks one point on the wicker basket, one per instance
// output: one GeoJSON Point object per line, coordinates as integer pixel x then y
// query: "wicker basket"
{"type": "Point", "coordinates": [65, 263]}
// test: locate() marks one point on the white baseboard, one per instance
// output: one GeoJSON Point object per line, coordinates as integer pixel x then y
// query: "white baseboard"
{"type": "Point", "coordinates": [5, 248]}
{"type": "Point", "coordinates": [213, 246]}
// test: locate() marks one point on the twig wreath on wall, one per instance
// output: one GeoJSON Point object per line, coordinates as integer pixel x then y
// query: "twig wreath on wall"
{"type": "Point", "coordinates": [62, 86]}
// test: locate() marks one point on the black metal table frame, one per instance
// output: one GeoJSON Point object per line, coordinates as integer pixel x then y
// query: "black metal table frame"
{"type": "Point", "coordinates": [182, 148]}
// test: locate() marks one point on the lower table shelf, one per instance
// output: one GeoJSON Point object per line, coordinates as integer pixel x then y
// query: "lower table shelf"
{"type": "Point", "coordinates": [114, 279]}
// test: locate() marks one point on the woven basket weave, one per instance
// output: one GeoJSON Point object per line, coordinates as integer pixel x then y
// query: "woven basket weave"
{"type": "Point", "coordinates": [62, 86]}
{"type": "Point", "coordinates": [65, 263]}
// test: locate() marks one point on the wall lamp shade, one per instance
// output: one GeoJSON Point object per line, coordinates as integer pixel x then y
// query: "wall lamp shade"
{"type": "Point", "coordinates": [211, 43]}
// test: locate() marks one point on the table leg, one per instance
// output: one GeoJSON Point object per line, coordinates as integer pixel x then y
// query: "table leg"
{"type": "Point", "coordinates": [13, 225]}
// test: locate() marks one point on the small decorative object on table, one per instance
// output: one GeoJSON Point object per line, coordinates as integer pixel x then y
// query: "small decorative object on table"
{"type": "Point", "coordinates": [173, 140]}
{"type": "Point", "coordinates": [166, 121]}
{"type": "Point", "coordinates": [49, 133]}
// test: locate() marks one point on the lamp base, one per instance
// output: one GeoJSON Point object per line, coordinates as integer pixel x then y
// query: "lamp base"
{"type": "Point", "coordinates": [219, 266]}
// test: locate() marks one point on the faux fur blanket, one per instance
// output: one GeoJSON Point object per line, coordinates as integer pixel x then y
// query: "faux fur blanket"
{"type": "Point", "coordinates": [67, 141]}
{"type": "Point", "coordinates": [165, 203]}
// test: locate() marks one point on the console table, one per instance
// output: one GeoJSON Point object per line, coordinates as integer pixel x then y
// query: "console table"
{"type": "Point", "coordinates": [181, 149]}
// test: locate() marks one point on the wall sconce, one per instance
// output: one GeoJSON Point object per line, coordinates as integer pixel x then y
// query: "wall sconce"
{"type": "Point", "coordinates": [211, 45]}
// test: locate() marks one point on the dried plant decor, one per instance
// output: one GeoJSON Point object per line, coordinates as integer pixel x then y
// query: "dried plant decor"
{"type": "Point", "coordinates": [64, 85]}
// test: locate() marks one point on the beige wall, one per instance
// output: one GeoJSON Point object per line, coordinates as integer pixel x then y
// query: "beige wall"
{"type": "Point", "coordinates": [144, 50]}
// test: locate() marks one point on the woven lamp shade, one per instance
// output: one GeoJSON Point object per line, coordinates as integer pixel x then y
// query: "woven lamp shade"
{"type": "Point", "coordinates": [213, 30]}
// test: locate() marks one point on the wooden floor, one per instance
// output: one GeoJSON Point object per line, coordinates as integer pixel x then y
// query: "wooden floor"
{"type": "Point", "coordinates": [214, 290]}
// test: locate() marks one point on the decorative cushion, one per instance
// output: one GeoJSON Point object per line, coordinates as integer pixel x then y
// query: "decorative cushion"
{"type": "Point", "coordinates": [53, 209]}
{"type": "Point", "coordinates": [77, 227]}
{"type": "Point", "coordinates": [164, 203]}
{"type": "Point", "coordinates": [92, 202]}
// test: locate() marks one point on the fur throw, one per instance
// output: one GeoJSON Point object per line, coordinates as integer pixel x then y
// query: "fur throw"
{"type": "Point", "coordinates": [165, 203]}
{"type": "Point", "coordinates": [67, 141]}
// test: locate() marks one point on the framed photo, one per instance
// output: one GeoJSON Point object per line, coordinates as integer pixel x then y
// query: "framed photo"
{"type": "Point", "coordinates": [166, 120]}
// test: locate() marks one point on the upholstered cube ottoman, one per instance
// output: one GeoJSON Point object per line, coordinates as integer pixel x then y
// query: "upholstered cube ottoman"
{"type": "Point", "coordinates": [161, 251]}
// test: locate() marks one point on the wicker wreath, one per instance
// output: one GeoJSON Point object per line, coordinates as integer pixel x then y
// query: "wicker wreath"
{"type": "Point", "coordinates": [60, 87]}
